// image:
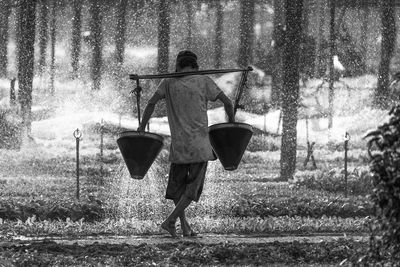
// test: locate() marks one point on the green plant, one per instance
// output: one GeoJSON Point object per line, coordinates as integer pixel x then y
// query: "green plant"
{"type": "Point", "coordinates": [384, 150]}
{"type": "Point", "coordinates": [358, 180]}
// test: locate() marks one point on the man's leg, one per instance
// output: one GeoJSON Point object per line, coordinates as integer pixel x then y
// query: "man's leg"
{"type": "Point", "coordinates": [175, 189]}
{"type": "Point", "coordinates": [186, 229]}
{"type": "Point", "coordinates": [194, 186]}
{"type": "Point", "coordinates": [169, 223]}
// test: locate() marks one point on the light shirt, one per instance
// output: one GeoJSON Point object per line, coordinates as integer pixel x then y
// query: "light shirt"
{"type": "Point", "coordinates": [186, 98]}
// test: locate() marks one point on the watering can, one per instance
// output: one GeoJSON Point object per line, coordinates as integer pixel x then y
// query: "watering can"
{"type": "Point", "coordinates": [230, 140]}
{"type": "Point", "coordinates": [139, 150]}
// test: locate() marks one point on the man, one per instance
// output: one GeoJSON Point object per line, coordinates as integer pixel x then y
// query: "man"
{"type": "Point", "coordinates": [186, 98]}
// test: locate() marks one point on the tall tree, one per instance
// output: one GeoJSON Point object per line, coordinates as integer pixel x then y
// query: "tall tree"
{"type": "Point", "coordinates": [278, 36]}
{"type": "Point", "coordinates": [290, 92]}
{"type": "Point", "coordinates": [26, 21]}
{"type": "Point", "coordinates": [319, 38]}
{"type": "Point", "coordinates": [332, 53]}
{"type": "Point", "coordinates": [305, 17]}
{"type": "Point", "coordinates": [43, 34]}
{"type": "Point", "coordinates": [53, 45]}
{"type": "Point", "coordinates": [218, 34]}
{"type": "Point", "coordinates": [365, 12]}
{"type": "Point", "coordinates": [121, 31]}
{"type": "Point", "coordinates": [387, 48]}
{"type": "Point", "coordinates": [163, 35]}
{"type": "Point", "coordinates": [76, 36]}
{"type": "Point", "coordinates": [246, 31]}
{"type": "Point", "coordinates": [189, 6]}
{"type": "Point", "coordinates": [96, 42]}
{"type": "Point", "coordinates": [4, 16]}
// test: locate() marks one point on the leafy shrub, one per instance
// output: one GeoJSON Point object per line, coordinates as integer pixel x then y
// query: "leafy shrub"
{"type": "Point", "coordinates": [359, 180]}
{"type": "Point", "coordinates": [263, 143]}
{"type": "Point", "coordinates": [51, 210]}
{"type": "Point", "coordinates": [314, 207]}
{"type": "Point", "coordinates": [385, 166]}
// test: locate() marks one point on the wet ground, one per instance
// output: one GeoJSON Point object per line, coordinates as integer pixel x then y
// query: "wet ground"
{"type": "Point", "coordinates": [203, 239]}
{"type": "Point", "coordinates": [162, 250]}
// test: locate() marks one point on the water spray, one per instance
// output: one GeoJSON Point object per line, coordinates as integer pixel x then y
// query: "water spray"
{"type": "Point", "coordinates": [78, 135]}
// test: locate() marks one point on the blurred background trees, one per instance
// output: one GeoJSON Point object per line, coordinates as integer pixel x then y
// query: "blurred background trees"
{"type": "Point", "coordinates": [76, 35]}
{"type": "Point", "coordinates": [26, 22]}
{"type": "Point", "coordinates": [101, 41]}
{"type": "Point", "coordinates": [5, 12]}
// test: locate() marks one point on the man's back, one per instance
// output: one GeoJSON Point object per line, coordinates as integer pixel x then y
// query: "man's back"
{"type": "Point", "coordinates": [186, 100]}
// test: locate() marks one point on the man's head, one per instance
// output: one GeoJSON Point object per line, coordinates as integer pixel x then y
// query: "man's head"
{"type": "Point", "coordinates": [186, 59]}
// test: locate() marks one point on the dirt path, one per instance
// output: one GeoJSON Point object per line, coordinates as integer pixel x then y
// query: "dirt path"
{"type": "Point", "coordinates": [204, 239]}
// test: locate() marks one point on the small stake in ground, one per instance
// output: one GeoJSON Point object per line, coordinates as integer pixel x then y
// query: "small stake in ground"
{"type": "Point", "coordinates": [101, 145]}
{"type": "Point", "coordinates": [310, 150]}
{"type": "Point", "coordinates": [346, 142]}
{"type": "Point", "coordinates": [78, 136]}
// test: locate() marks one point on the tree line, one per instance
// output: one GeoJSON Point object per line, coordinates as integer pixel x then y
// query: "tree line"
{"type": "Point", "coordinates": [38, 18]}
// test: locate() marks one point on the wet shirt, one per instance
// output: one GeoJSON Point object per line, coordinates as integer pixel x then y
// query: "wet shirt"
{"type": "Point", "coordinates": [186, 98]}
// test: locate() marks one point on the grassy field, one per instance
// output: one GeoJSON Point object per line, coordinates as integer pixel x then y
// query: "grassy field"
{"type": "Point", "coordinates": [38, 192]}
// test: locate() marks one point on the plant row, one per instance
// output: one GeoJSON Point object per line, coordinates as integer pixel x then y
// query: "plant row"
{"type": "Point", "coordinates": [359, 180]}
{"type": "Point", "coordinates": [131, 226]}
{"type": "Point", "coordinates": [256, 206]}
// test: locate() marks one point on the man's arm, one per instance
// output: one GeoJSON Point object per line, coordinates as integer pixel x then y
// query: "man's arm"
{"type": "Point", "coordinates": [148, 111]}
{"type": "Point", "coordinates": [228, 106]}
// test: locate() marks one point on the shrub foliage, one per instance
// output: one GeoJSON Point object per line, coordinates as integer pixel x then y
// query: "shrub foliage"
{"type": "Point", "coordinates": [358, 180]}
{"type": "Point", "coordinates": [384, 151]}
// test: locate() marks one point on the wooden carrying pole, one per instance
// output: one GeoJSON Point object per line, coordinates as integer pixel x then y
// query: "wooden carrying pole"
{"type": "Point", "coordinates": [180, 74]}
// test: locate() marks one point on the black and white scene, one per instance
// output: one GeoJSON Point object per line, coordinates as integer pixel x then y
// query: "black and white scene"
{"type": "Point", "coordinates": [199, 133]}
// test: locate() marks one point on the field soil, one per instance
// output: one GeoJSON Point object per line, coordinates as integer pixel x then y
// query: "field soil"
{"type": "Point", "coordinates": [161, 250]}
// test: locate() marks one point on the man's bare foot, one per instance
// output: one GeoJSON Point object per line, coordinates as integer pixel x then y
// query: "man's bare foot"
{"type": "Point", "coordinates": [187, 231]}
{"type": "Point", "coordinates": [169, 227]}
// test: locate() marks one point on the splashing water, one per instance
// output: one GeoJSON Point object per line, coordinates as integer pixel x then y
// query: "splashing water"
{"type": "Point", "coordinates": [141, 199]}
{"type": "Point", "coordinates": [145, 199]}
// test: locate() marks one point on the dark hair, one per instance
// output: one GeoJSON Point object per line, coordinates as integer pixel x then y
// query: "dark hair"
{"type": "Point", "coordinates": [187, 58]}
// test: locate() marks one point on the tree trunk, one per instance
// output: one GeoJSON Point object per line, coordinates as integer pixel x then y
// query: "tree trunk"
{"type": "Point", "coordinates": [290, 93]}
{"type": "Point", "coordinates": [189, 6]}
{"type": "Point", "coordinates": [121, 30]}
{"type": "Point", "coordinates": [247, 13]}
{"type": "Point", "coordinates": [26, 60]}
{"type": "Point", "coordinates": [96, 43]}
{"type": "Point", "coordinates": [76, 36]}
{"type": "Point", "coordinates": [4, 16]}
{"type": "Point", "coordinates": [43, 35]}
{"type": "Point", "coordinates": [319, 38]}
{"type": "Point", "coordinates": [332, 37]}
{"type": "Point", "coordinates": [17, 36]}
{"type": "Point", "coordinates": [381, 97]}
{"type": "Point", "coordinates": [218, 34]}
{"type": "Point", "coordinates": [163, 36]}
{"type": "Point", "coordinates": [53, 45]}
{"type": "Point", "coordinates": [305, 17]}
{"type": "Point", "coordinates": [278, 36]}
{"type": "Point", "coordinates": [365, 12]}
